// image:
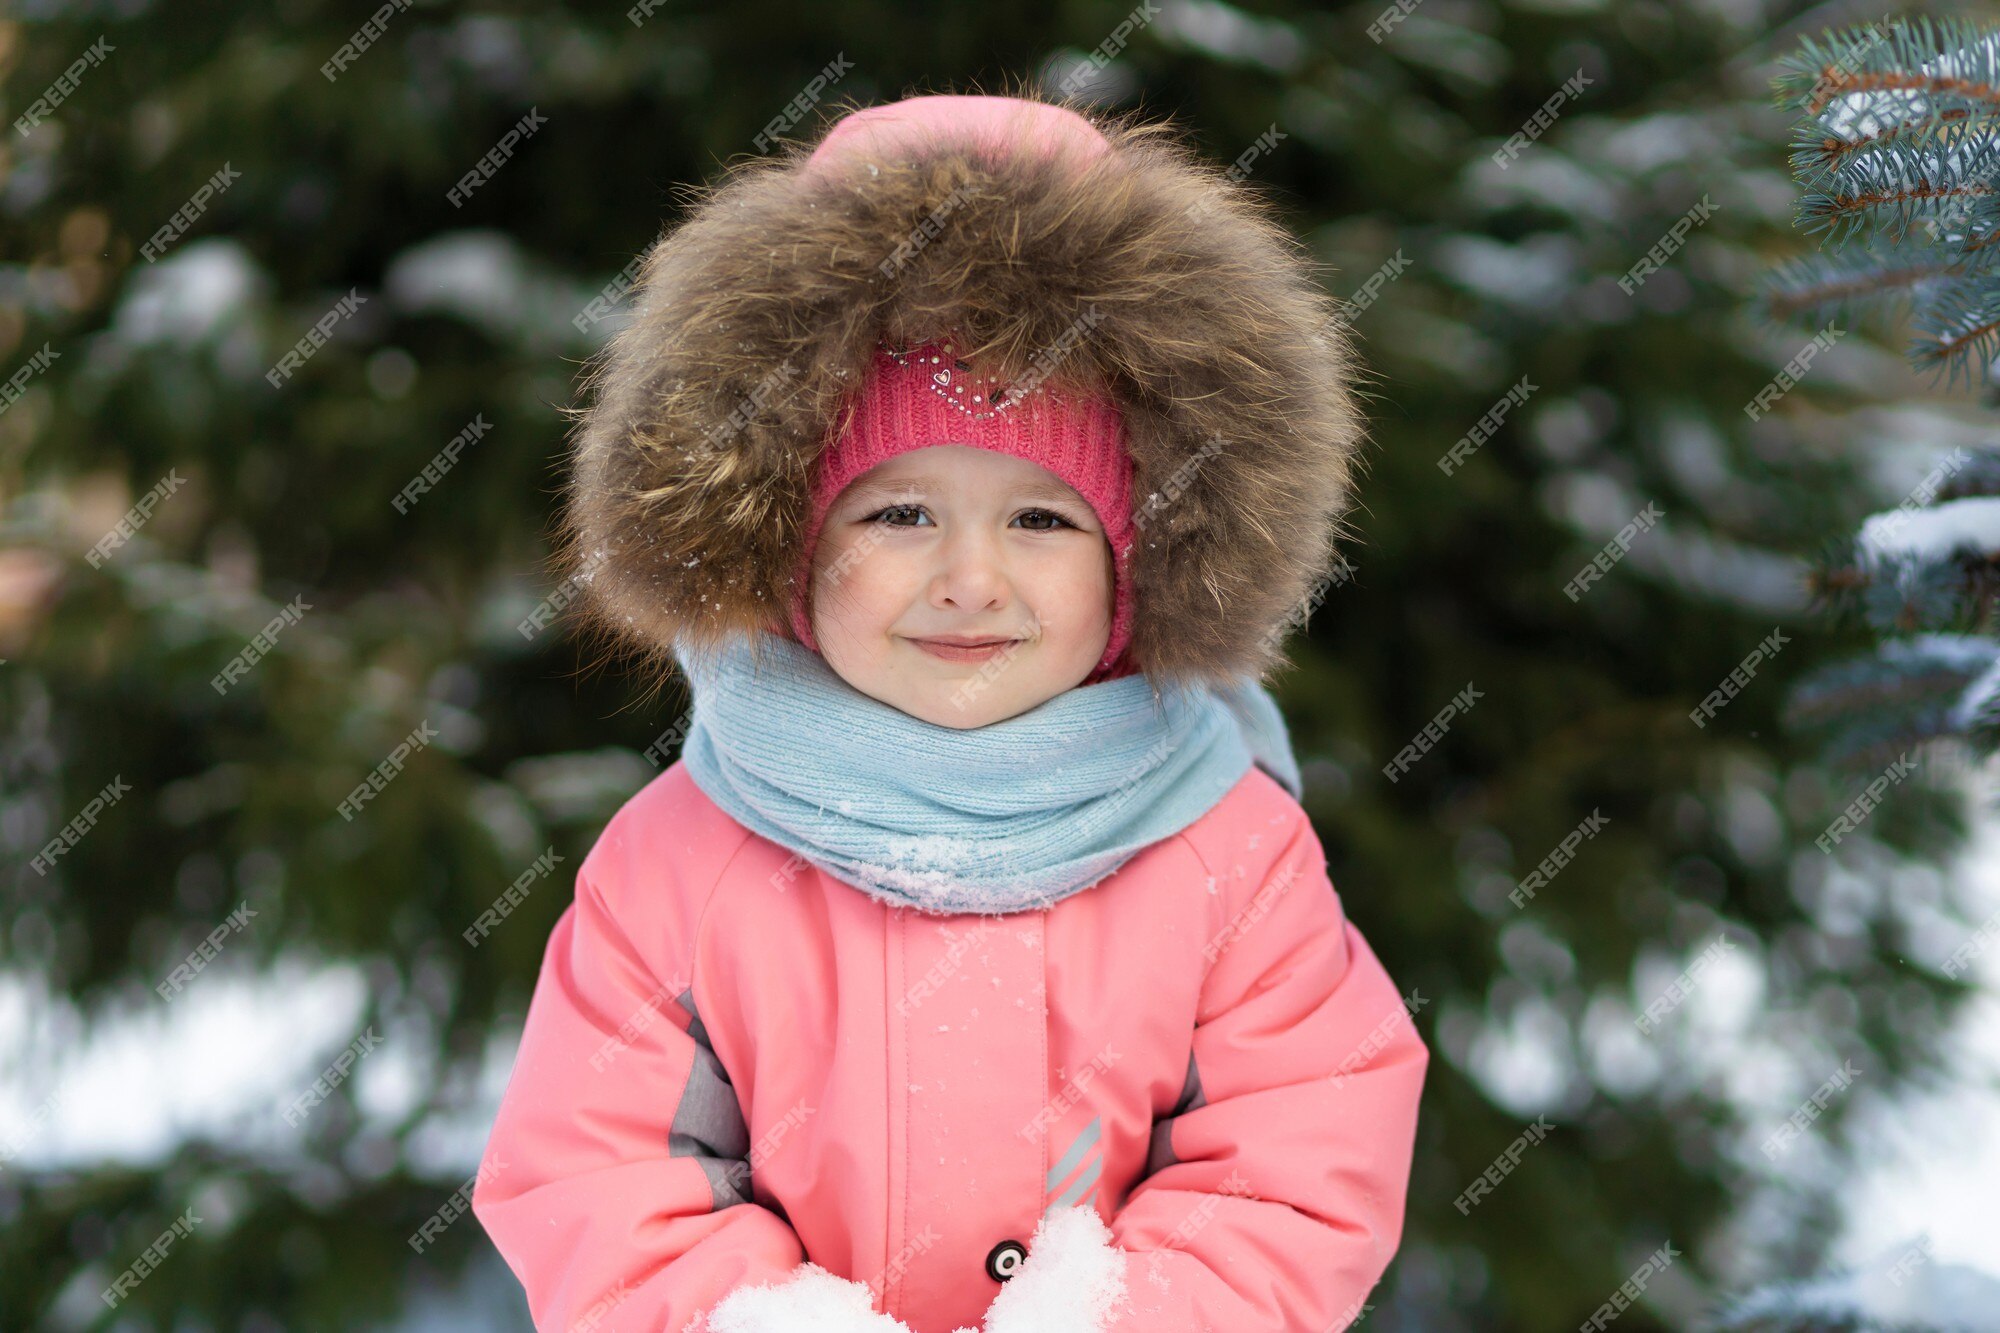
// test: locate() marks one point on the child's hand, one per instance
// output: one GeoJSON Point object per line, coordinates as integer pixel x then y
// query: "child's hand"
{"type": "Point", "coordinates": [1071, 1278]}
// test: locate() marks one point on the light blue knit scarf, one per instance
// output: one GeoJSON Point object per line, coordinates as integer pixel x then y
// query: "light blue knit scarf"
{"type": "Point", "coordinates": [1006, 817]}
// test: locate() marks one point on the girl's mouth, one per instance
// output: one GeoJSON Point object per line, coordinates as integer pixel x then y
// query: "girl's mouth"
{"type": "Point", "coordinates": [951, 650]}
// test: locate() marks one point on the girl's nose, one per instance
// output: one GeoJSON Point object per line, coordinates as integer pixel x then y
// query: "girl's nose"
{"type": "Point", "coordinates": [971, 576]}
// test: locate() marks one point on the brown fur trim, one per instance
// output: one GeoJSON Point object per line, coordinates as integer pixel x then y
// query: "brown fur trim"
{"type": "Point", "coordinates": [689, 489]}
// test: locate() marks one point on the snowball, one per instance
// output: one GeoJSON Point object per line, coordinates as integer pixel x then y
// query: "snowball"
{"type": "Point", "coordinates": [1071, 1278]}
{"type": "Point", "coordinates": [810, 1299]}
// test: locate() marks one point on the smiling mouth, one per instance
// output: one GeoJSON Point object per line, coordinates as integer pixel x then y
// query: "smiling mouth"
{"type": "Point", "coordinates": [964, 650]}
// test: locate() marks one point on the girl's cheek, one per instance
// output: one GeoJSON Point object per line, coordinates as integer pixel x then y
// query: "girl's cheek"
{"type": "Point", "coordinates": [853, 581]}
{"type": "Point", "coordinates": [865, 571]}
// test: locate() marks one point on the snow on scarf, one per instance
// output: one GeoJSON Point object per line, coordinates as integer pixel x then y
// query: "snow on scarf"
{"type": "Point", "coordinates": [1011, 816]}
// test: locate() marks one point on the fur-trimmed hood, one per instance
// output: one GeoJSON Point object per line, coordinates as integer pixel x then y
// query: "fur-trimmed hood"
{"type": "Point", "coordinates": [1138, 268]}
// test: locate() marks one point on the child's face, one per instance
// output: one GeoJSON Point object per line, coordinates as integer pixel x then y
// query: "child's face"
{"type": "Point", "coordinates": [953, 541]}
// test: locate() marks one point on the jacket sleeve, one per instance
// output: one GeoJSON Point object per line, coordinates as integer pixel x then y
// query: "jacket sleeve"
{"type": "Point", "coordinates": [1281, 1199]}
{"type": "Point", "coordinates": [615, 1181]}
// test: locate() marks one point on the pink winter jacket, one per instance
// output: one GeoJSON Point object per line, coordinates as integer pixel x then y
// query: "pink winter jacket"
{"type": "Point", "coordinates": [734, 1065]}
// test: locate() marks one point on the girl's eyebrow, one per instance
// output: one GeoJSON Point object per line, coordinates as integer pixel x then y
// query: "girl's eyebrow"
{"type": "Point", "coordinates": [1032, 490]}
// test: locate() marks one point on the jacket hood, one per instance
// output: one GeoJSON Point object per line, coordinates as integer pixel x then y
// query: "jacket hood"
{"type": "Point", "coordinates": [1108, 259]}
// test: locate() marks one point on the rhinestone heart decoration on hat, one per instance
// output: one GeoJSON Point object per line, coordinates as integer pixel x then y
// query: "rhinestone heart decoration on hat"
{"type": "Point", "coordinates": [979, 396]}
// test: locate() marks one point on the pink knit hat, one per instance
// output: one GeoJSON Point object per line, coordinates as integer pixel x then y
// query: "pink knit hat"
{"type": "Point", "coordinates": [916, 397]}
{"type": "Point", "coordinates": [925, 396]}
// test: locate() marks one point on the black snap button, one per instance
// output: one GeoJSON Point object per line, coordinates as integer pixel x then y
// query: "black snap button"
{"type": "Point", "coordinates": [1005, 1260]}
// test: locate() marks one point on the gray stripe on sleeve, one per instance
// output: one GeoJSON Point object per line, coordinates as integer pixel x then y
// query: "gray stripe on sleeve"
{"type": "Point", "coordinates": [708, 1123]}
{"type": "Point", "coordinates": [1160, 1151]}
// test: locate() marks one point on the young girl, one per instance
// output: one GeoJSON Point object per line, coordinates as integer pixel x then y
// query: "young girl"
{"type": "Point", "coordinates": [976, 966]}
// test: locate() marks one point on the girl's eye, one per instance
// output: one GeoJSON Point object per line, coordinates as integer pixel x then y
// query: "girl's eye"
{"type": "Point", "coordinates": [883, 515]}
